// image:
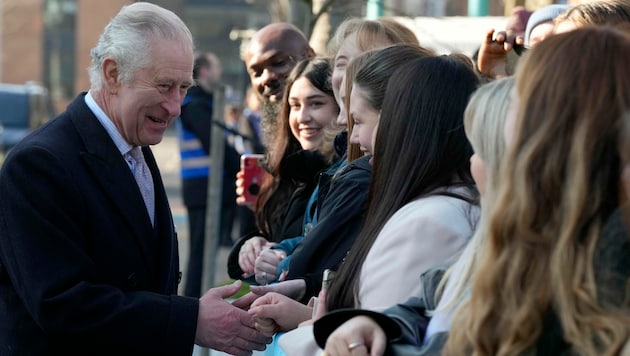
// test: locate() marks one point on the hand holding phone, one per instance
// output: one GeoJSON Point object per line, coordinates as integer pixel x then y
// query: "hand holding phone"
{"type": "Point", "coordinates": [253, 174]}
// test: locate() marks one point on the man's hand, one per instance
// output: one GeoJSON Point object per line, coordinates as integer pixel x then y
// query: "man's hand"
{"type": "Point", "coordinates": [245, 301]}
{"type": "Point", "coordinates": [285, 313]}
{"type": "Point", "coordinates": [224, 327]}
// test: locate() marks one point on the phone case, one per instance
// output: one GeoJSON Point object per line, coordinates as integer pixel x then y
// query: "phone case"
{"type": "Point", "coordinates": [252, 176]}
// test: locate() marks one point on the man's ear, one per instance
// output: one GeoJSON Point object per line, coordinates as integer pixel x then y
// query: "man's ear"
{"type": "Point", "coordinates": [111, 75]}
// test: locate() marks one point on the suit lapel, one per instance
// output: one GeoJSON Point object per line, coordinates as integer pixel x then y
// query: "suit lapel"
{"type": "Point", "coordinates": [169, 259]}
{"type": "Point", "coordinates": [113, 176]}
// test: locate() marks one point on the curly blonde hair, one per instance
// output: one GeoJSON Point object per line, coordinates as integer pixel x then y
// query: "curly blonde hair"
{"type": "Point", "coordinates": [559, 183]}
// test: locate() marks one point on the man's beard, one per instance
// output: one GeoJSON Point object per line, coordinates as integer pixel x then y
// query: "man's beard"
{"type": "Point", "coordinates": [269, 122]}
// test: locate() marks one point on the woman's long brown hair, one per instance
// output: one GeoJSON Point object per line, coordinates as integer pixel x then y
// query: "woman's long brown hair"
{"type": "Point", "coordinates": [558, 185]}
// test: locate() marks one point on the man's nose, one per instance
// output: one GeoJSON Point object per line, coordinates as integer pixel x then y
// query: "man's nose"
{"type": "Point", "coordinates": [268, 76]}
{"type": "Point", "coordinates": [173, 103]}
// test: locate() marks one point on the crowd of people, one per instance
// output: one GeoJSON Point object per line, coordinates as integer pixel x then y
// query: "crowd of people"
{"type": "Point", "coordinates": [412, 203]}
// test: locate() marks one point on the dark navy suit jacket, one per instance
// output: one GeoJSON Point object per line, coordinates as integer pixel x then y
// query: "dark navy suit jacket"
{"type": "Point", "coordinates": [82, 271]}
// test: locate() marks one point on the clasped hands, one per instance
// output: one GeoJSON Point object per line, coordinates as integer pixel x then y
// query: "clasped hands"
{"type": "Point", "coordinates": [258, 259]}
{"type": "Point", "coordinates": [275, 308]}
{"type": "Point", "coordinates": [250, 321]}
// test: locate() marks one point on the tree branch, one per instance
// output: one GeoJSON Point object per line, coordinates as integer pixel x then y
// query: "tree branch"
{"type": "Point", "coordinates": [325, 7]}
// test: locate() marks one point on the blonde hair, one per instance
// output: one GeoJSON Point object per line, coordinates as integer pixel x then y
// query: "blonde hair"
{"type": "Point", "coordinates": [608, 12]}
{"type": "Point", "coordinates": [370, 32]}
{"type": "Point", "coordinates": [558, 184]}
{"type": "Point", "coordinates": [484, 120]}
{"type": "Point", "coordinates": [370, 35]}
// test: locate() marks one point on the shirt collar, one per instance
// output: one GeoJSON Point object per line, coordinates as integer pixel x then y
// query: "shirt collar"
{"type": "Point", "coordinates": [122, 145]}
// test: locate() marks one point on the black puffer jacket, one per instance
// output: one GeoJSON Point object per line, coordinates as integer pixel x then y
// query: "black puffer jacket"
{"type": "Point", "coordinates": [341, 207]}
{"type": "Point", "coordinates": [304, 168]}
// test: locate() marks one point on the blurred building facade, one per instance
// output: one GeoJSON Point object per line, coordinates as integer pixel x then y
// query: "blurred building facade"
{"type": "Point", "coordinates": [49, 41]}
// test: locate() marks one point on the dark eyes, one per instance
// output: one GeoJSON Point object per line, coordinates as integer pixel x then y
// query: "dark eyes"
{"type": "Point", "coordinates": [167, 87]}
{"type": "Point", "coordinates": [313, 104]}
{"type": "Point", "coordinates": [275, 65]}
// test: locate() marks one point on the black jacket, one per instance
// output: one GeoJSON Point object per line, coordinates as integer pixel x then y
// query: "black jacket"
{"type": "Point", "coordinates": [341, 206]}
{"type": "Point", "coordinates": [304, 168]}
{"type": "Point", "coordinates": [81, 268]}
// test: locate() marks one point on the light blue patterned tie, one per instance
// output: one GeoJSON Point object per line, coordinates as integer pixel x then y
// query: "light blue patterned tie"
{"type": "Point", "coordinates": [143, 177]}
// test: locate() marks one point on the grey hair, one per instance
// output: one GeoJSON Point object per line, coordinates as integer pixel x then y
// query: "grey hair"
{"type": "Point", "coordinates": [127, 39]}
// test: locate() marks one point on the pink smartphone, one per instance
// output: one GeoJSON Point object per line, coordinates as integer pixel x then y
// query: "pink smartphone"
{"type": "Point", "coordinates": [252, 176]}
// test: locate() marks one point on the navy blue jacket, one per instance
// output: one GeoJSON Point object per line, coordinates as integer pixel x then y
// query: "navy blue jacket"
{"type": "Point", "coordinates": [341, 207]}
{"type": "Point", "coordinates": [82, 270]}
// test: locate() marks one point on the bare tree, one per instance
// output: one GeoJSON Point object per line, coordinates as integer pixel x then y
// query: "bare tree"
{"type": "Point", "coordinates": [316, 18]}
{"type": "Point", "coordinates": [279, 10]}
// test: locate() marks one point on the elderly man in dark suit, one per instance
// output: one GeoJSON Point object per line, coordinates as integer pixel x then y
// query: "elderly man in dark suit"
{"type": "Point", "coordinates": [88, 251]}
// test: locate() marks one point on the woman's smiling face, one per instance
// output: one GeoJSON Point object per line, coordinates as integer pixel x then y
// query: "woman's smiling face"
{"type": "Point", "coordinates": [365, 118]}
{"type": "Point", "coordinates": [312, 111]}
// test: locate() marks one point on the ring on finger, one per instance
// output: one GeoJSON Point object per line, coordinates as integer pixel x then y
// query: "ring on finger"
{"type": "Point", "coordinates": [354, 345]}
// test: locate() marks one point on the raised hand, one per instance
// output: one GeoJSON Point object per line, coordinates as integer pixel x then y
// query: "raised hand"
{"type": "Point", "coordinates": [492, 59]}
